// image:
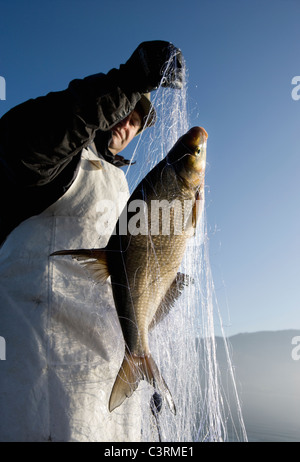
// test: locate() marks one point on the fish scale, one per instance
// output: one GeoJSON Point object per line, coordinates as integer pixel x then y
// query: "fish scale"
{"type": "Point", "coordinates": [160, 250]}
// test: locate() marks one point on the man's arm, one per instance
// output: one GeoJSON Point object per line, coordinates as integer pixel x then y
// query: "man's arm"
{"type": "Point", "coordinates": [40, 137]}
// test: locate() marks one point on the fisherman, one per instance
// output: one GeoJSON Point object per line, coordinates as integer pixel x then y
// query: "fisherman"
{"type": "Point", "coordinates": [59, 160]}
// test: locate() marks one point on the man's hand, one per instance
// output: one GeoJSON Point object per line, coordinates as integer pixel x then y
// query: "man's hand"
{"type": "Point", "coordinates": [152, 64]}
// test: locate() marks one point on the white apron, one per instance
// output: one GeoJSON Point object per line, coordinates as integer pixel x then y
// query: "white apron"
{"type": "Point", "coordinates": [63, 342]}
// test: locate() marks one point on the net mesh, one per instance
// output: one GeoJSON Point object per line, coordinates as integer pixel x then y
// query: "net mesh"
{"type": "Point", "coordinates": [184, 343]}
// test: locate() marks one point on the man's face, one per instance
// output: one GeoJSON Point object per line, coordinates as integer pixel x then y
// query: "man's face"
{"type": "Point", "coordinates": [124, 131]}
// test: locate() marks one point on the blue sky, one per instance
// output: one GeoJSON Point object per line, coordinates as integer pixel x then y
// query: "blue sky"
{"type": "Point", "coordinates": [241, 56]}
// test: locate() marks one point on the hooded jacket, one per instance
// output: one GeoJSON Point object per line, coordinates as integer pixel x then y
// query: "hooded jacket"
{"type": "Point", "coordinates": [41, 142]}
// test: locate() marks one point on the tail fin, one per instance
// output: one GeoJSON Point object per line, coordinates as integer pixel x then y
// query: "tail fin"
{"type": "Point", "coordinates": [132, 371]}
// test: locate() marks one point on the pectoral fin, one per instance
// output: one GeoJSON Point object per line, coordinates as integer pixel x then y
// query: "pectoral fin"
{"type": "Point", "coordinates": [197, 208]}
{"type": "Point", "coordinates": [94, 260]}
{"type": "Point", "coordinates": [175, 290]}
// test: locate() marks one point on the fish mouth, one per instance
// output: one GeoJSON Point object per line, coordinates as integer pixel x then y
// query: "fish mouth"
{"type": "Point", "coordinates": [195, 140]}
{"type": "Point", "coordinates": [191, 167]}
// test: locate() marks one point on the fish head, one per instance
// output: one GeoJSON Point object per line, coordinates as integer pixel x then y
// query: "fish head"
{"type": "Point", "coordinates": [188, 157]}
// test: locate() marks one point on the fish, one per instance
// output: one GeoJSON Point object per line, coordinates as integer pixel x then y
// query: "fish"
{"type": "Point", "coordinates": [143, 256]}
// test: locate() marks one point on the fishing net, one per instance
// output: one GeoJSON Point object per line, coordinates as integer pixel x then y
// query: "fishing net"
{"type": "Point", "coordinates": [183, 344]}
